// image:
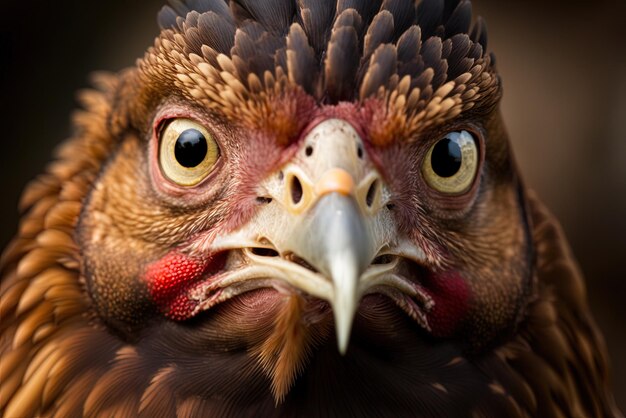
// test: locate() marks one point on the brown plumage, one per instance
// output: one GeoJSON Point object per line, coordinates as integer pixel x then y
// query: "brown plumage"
{"type": "Point", "coordinates": [134, 289]}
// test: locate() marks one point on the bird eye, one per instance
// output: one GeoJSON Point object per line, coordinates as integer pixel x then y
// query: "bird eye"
{"type": "Point", "coordinates": [187, 152]}
{"type": "Point", "coordinates": [451, 164]}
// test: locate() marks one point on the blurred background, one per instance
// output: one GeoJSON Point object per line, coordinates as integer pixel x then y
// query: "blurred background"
{"type": "Point", "coordinates": [563, 65]}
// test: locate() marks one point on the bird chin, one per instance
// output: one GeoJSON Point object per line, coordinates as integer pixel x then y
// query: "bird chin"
{"type": "Point", "coordinates": [395, 278]}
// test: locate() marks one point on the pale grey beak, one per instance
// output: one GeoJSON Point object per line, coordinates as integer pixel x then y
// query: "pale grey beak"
{"type": "Point", "coordinates": [337, 244]}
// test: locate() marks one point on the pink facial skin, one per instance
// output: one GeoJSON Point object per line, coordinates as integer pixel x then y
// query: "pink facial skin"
{"type": "Point", "coordinates": [451, 295]}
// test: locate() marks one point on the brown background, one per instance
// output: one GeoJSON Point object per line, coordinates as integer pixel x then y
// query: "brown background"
{"type": "Point", "coordinates": [564, 72]}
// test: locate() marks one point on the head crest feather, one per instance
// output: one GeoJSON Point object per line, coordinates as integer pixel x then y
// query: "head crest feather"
{"type": "Point", "coordinates": [424, 59]}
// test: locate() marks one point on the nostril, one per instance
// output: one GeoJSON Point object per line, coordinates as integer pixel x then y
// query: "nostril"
{"type": "Point", "coordinates": [308, 151]}
{"type": "Point", "coordinates": [264, 252]}
{"type": "Point", "coordinates": [371, 193]}
{"type": "Point", "coordinates": [296, 190]}
{"type": "Point", "coordinates": [359, 151]}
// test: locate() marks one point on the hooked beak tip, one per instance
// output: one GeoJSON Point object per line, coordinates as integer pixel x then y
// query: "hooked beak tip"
{"type": "Point", "coordinates": [344, 315]}
{"type": "Point", "coordinates": [342, 341]}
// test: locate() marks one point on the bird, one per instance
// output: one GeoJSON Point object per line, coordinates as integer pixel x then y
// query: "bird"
{"type": "Point", "coordinates": [296, 208]}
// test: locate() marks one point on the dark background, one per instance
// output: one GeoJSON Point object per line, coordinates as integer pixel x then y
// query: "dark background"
{"type": "Point", "coordinates": [564, 72]}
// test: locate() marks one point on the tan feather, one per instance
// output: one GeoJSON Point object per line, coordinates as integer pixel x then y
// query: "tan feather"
{"type": "Point", "coordinates": [57, 239]}
{"type": "Point", "coordinates": [57, 378]}
{"type": "Point", "coordinates": [27, 400]}
{"type": "Point", "coordinates": [14, 251]}
{"type": "Point", "coordinates": [39, 195]}
{"type": "Point", "coordinates": [11, 295]}
{"type": "Point", "coordinates": [152, 400]}
{"type": "Point", "coordinates": [42, 314]}
{"type": "Point", "coordinates": [63, 215]}
{"type": "Point", "coordinates": [12, 360]}
{"type": "Point", "coordinates": [38, 287]}
{"type": "Point", "coordinates": [43, 332]}
{"type": "Point", "coordinates": [9, 384]}
{"type": "Point", "coordinates": [115, 393]}
{"type": "Point", "coordinates": [38, 260]}
{"type": "Point", "coordinates": [284, 352]}
{"type": "Point", "coordinates": [40, 356]}
{"type": "Point", "coordinates": [71, 400]}
{"type": "Point", "coordinates": [194, 407]}
{"type": "Point", "coordinates": [30, 227]}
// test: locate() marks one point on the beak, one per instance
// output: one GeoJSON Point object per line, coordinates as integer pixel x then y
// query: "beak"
{"type": "Point", "coordinates": [323, 228]}
{"type": "Point", "coordinates": [336, 242]}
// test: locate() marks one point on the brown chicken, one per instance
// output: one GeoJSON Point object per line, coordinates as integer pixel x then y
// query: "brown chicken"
{"type": "Point", "coordinates": [296, 208]}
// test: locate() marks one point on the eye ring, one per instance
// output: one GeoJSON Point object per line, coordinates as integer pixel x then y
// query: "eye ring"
{"type": "Point", "coordinates": [451, 164]}
{"type": "Point", "coordinates": [187, 152]}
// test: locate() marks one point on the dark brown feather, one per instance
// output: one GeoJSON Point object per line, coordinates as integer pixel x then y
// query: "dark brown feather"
{"type": "Point", "coordinates": [429, 16]}
{"type": "Point", "coordinates": [274, 15]}
{"type": "Point", "coordinates": [342, 58]}
{"type": "Point", "coordinates": [378, 32]}
{"type": "Point", "coordinates": [316, 18]}
{"type": "Point", "coordinates": [300, 60]}
{"type": "Point", "coordinates": [403, 13]}
{"type": "Point", "coordinates": [460, 20]}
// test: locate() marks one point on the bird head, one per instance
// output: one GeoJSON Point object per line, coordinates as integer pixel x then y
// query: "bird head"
{"type": "Point", "coordinates": [274, 177]}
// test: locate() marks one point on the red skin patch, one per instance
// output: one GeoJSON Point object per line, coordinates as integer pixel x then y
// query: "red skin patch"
{"type": "Point", "coordinates": [171, 277]}
{"type": "Point", "coordinates": [451, 295]}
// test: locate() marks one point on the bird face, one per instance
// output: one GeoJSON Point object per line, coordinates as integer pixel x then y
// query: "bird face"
{"type": "Point", "coordinates": [295, 194]}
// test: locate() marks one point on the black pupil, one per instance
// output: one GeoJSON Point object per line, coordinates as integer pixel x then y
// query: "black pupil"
{"type": "Point", "coordinates": [446, 158]}
{"type": "Point", "coordinates": [191, 148]}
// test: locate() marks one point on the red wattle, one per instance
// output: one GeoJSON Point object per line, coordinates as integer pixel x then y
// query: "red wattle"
{"type": "Point", "coordinates": [451, 295]}
{"type": "Point", "coordinates": [171, 277]}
